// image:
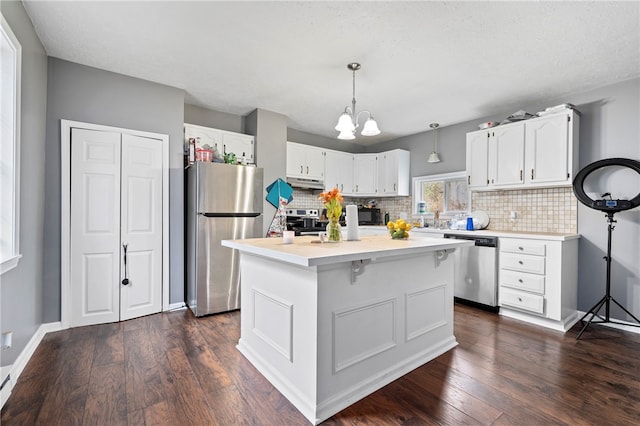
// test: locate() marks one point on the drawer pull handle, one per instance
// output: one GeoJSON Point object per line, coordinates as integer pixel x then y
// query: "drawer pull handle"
{"type": "Point", "coordinates": [520, 248]}
{"type": "Point", "coordinates": [520, 280]}
{"type": "Point", "coordinates": [521, 262]}
{"type": "Point", "coordinates": [519, 299]}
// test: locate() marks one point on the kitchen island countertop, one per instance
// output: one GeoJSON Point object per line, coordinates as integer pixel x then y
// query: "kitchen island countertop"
{"type": "Point", "coordinates": [305, 253]}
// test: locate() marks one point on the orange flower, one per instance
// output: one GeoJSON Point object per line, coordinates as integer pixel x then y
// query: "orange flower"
{"type": "Point", "coordinates": [332, 200]}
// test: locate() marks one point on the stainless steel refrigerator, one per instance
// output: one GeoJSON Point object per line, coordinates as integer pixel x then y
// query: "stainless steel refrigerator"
{"type": "Point", "coordinates": [224, 202]}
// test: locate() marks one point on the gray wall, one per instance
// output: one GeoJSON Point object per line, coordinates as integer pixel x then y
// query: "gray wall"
{"type": "Point", "coordinates": [21, 288]}
{"type": "Point", "coordinates": [323, 142]}
{"type": "Point", "coordinates": [609, 127]}
{"type": "Point", "coordinates": [215, 119]}
{"type": "Point", "coordinates": [81, 93]}
{"type": "Point", "coordinates": [270, 130]}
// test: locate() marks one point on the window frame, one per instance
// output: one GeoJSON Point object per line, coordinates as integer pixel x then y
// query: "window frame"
{"type": "Point", "coordinates": [417, 182]}
{"type": "Point", "coordinates": [10, 259]}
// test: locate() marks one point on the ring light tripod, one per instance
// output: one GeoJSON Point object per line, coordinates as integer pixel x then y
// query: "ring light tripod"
{"type": "Point", "coordinates": [611, 207]}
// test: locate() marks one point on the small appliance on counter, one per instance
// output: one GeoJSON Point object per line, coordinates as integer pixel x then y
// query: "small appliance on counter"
{"type": "Point", "coordinates": [369, 216]}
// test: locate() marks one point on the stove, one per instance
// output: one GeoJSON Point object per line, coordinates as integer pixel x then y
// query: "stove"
{"type": "Point", "coordinates": [305, 222]}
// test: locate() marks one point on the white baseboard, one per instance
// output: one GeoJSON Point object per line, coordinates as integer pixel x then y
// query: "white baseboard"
{"type": "Point", "coordinates": [20, 363]}
{"type": "Point", "coordinates": [177, 306]}
{"type": "Point", "coordinates": [613, 325]}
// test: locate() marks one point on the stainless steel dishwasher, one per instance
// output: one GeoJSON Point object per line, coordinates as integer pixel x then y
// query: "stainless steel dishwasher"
{"type": "Point", "coordinates": [476, 271]}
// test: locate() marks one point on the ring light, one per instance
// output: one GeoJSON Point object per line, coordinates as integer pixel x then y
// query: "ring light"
{"type": "Point", "coordinates": [611, 207]}
{"type": "Point", "coordinates": [604, 205]}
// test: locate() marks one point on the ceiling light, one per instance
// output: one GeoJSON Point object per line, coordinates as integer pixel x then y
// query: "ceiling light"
{"type": "Point", "coordinates": [348, 121]}
{"type": "Point", "coordinates": [433, 157]}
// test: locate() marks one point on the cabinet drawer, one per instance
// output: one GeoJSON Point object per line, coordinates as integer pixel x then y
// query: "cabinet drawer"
{"type": "Point", "coordinates": [511, 245]}
{"type": "Point", "coordinates": [522, 281]}
{"type": "Point", "coordinates": [521, 300]}
{"type": "Point", "coordinates": [522, 262]}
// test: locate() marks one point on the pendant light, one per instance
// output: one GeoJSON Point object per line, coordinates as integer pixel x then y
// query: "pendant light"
{"type": "Point", "coordinates": [348, 121]}
{"type": "Point", "coordinates": [433, 157]}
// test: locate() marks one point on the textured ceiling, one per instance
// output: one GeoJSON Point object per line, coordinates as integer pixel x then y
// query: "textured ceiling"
{"type": "Point", "coordinates": [422, 62]}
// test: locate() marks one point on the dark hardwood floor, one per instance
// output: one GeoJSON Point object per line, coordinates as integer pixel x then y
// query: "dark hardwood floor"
{"type": "Point", "coordinates": [170, 369]}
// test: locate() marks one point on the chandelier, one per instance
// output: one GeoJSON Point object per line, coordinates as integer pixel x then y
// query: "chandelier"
{"type": "Point", "coordinates": [348, 121]}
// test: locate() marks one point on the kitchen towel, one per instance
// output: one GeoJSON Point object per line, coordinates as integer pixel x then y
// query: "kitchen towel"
{"type": "Point", "coordinates": [352, 222]}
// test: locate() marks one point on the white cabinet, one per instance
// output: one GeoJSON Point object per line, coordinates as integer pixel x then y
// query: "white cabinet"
{"type": "Point", "coordinates": [506, 155]}
{"type": "Point", "coordinates": [222, 141]}
{"type": "Point", "coordinates": [551, 156]}
{"type": "Point", "coordinates": [535, 153]}
{"type": "Point", "coordinates": [304, 161]}
{"type": "Point", "coordinates": [477, 159]}
{"type": "Point", "coordinates": [338, 171]}
{"type": "Point", "coordinates": [366, 174]}
{"type": "Point", "coordinates": [393, 173]}
{"type": "Point", "coordinates": [538, 281]}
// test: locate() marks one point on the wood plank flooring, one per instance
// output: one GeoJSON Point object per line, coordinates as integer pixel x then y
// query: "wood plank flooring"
{"type": "Point", "coordinates": [171, 368]}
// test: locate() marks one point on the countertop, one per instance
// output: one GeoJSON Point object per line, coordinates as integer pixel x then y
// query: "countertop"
{"type": "Point", "coordinates": [305, 253]}
{"type": "Point", "coordinates": [491, 233]}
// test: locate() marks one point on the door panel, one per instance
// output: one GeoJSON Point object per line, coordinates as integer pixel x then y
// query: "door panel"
{"type": "Point", "coordinates": [141, 230]}
{"type": "Point", "coordinates": [218, 272]}
{"type": "Point", "coordinates": [95, 227]}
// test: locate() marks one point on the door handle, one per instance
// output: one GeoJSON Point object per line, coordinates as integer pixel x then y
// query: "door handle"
{"type": "Point", "coordinates": [125, 281]}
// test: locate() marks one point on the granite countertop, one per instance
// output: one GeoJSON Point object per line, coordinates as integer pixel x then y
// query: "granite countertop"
{"type": "Point", "coordinates": [305, 253]}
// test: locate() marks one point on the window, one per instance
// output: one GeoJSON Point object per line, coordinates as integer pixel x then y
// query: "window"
{"type": "Point", "coordinates": [445, 193]}
{"type": "Point", "coordinates": [10, 68]}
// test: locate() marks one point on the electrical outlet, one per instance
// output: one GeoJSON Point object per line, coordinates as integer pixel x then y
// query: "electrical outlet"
{"type": "Point", "coordinates": [5, 340]}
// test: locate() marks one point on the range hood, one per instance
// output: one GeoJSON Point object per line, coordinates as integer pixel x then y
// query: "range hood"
{"type": "Point", "coordinates": [303, 183]}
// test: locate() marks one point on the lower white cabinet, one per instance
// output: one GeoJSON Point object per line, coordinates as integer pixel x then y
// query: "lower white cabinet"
{"type": "Point", "coordinates": [538, 281]}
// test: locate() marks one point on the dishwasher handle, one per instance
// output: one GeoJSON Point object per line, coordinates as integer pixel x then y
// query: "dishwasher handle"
{"type": "Point", "coordinates": [480, 241]}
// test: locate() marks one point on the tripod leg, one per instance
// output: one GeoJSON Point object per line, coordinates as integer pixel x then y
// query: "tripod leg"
{"type": "Point", "coordinates": [625, 309]}
{"type": "Point", "coordinates": [594, 312]}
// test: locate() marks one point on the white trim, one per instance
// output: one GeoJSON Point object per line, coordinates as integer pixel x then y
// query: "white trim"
{"type": "Point", "coordinates": [623, 327]}
{"type": "Point", "coordinates": [417, 180]}
{"type": "Point", "coordinates": [176, 306]}
{"type": "Point", "coordinates": [10, 263]}
{"type": "Point", "coordinates": [12, 260]}
{"type": "Point", "coordinates": [15, 370]}
{"type": "Point", "coordinates": [65, 211]}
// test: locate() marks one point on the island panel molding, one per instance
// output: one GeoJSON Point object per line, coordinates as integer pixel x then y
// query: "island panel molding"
{"type": "Point", "coordinates": [273, 322]}
{"type": "Point", "coordinates": [349, 337]}
{"type": "Point", "coordinates": [418, 320]}
{"type": "Point", "coordinates": [362, 332]}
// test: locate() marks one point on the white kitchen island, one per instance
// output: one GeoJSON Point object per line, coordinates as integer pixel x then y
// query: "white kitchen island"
{"type": "Point", "coordinates": [328, 324]}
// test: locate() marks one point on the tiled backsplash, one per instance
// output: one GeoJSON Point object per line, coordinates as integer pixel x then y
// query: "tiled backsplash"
{"type": "Point", "coordinates": [396, 206]}
{"type": "Point", "coordinates": [538, 210]}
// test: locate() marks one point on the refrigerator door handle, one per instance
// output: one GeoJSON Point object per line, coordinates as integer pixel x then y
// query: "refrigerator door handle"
{"type": "Point", "coordinates": [229, 214]}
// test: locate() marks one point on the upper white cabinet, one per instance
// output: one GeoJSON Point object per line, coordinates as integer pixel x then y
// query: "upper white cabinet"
{"type": "Point", "coordinates": [366, 174]}
{"type": "Point", "coordinates": [338, 171]}
{"type": "Point", "coordinates": [535, 153]}
{"type": "Point", "coordinates": [506, 155]}
{"type": "Point", "coordinates": [477, 159]}
{"type": "Point", "coordinates": [551, 156]}
{"type": "Point", "coordinates": [393, 173]}
{"type": "Point", "coordinates": [222, 141]}
{"type": "Point", "coordinates": [304, 161]}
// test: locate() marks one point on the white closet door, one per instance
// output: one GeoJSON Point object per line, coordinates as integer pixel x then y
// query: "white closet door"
{"type": "Point", "coordinates": [141, 196]}
{"type": "Point", "coordinates": [95, 227]}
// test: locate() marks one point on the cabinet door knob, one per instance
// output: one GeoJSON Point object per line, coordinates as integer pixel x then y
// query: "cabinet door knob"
{"type": "Point", "coordinates": [301, 169]}
{"type": "Point", "coordinates": [520, 280]}
{"type": "Point", "coordinates": [521, 262]}
{"type": "Point", "coordinates": [468, 180]}
{"type": "Point", "coordinates": [531, 174]}
{"type": "Point", "coordinates": [520, 248]}
{"type": "Point", "coordinates": [519, 299]}
{"type": "Point", "coordinates": [520, 175]}
{"type": "Point", "coordinates": [307, 169]}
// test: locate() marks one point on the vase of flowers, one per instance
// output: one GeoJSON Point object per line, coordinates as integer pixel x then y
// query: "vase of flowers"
{"type": "Point", "coordinates": [332, 202]}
